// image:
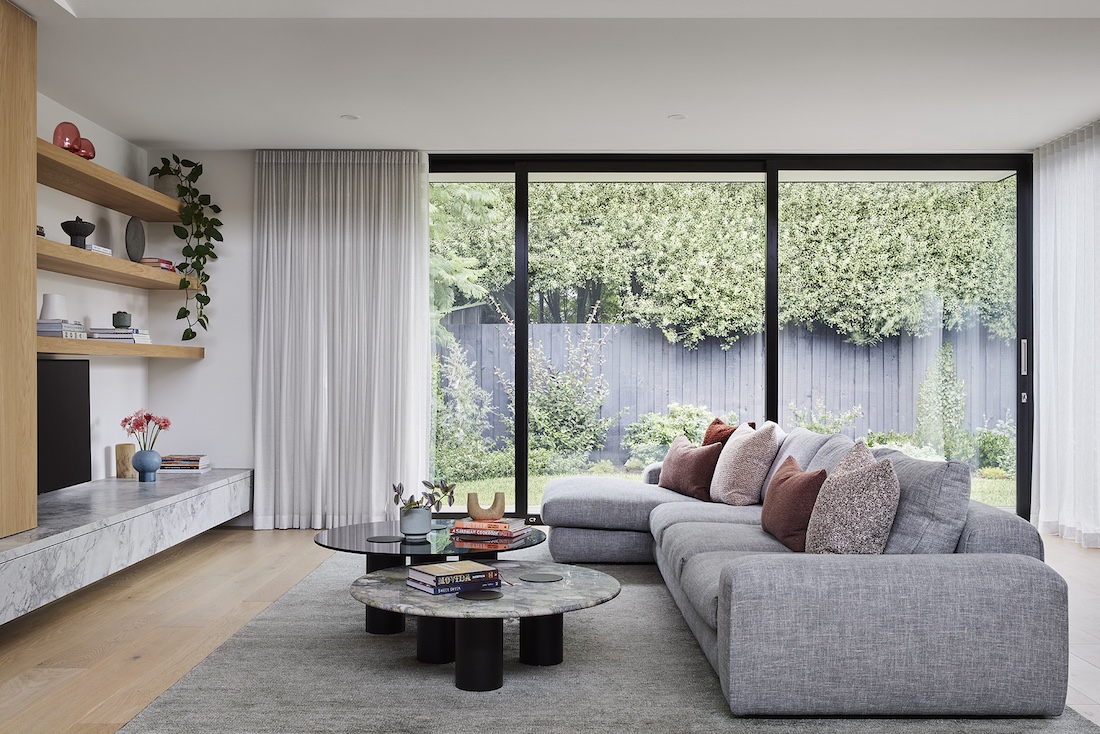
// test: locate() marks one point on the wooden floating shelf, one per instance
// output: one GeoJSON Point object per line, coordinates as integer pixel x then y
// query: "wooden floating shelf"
{"type": "Point", "coordinates": [65, 171]}
{"type": "Point", "coordinates": [58, 258]}
{"type": "Point", "coordinates": [104, 348]}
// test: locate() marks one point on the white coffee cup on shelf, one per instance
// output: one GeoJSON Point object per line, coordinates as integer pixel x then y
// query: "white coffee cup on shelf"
{"type": "Point", "coordinates": [53, 306]}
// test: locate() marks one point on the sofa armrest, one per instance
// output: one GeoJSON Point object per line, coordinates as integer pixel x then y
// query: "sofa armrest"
{"type": "Point", "coordinates": [901, 635]}
{"type": "Point", "coordinates": [652, 473]}
{"type": "Point", "coordinates": [993, 530]}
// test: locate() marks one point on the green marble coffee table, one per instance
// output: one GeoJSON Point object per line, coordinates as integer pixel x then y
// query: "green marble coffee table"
{"type": "Point", "coordinates": [472, 632]}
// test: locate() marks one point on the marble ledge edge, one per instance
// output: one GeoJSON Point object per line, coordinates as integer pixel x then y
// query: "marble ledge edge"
{"type": "Point", "coordinates": [42, 543]}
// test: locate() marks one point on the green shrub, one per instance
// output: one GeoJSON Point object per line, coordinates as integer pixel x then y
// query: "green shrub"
{"type": "Point", "coordinates": [634, 465]}
{"type": "Point", "coordinates": [997, 446]}
{"type": "Point", "coordinates": [879, 438]}
{"type": "Point", "coordinates": [819, 419]}
{"type": "Point", "coordinates": [648, 438]}
{"type": "Point", "coordinates": [941, 409]}
{"type": "Point", "coordinates": [604, 467]}
{"type": "Point", "coordinates": [993, 472]}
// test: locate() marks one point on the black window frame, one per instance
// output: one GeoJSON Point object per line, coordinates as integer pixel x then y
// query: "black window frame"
{"type": "Point", "coordinates": [521, 166]}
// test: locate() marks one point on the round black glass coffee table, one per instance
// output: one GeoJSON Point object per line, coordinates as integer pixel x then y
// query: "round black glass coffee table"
{"type": "Point", "coordinates": [384, 547]}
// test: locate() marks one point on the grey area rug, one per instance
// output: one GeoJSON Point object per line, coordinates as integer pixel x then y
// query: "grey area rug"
{"type": "Point", "coordinates": [306, 665]}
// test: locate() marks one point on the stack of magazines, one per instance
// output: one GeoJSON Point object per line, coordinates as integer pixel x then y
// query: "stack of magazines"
{"type": "Point", "coordinates": [174, 464]}
{"type": "Point", "coordinates": [129, 336]}
{"type": "Point", "coordinates": [62, 328]}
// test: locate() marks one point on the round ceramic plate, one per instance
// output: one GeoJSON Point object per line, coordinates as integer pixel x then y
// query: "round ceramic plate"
{"type": "Point", "coordinates": [135, 239]}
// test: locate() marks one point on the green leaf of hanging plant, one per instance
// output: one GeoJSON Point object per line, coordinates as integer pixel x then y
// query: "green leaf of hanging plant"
{"type": "Point", "coordinates": [179, 231]}
{"type": "Point", "coordinates": [188, 334]}
{"type": "Point", "coordinates": [183, 313]}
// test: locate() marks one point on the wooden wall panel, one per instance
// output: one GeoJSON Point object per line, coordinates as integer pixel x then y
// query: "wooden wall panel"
{"type": "Point", "coordinates": [18, 382]}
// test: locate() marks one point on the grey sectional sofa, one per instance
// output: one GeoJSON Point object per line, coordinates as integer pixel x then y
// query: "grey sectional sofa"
{"type": "Point", "coordinates": [960, 616]}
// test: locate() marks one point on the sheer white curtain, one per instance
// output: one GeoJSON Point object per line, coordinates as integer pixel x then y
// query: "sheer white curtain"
{"type": "Point", "coordinates": [341, 334]}
{"type": "Point", "coordinates": [1066, 496]}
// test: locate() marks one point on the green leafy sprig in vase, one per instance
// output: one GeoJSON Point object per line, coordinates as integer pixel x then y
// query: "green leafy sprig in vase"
{"type": "Point", "coordinates": [416, 510]}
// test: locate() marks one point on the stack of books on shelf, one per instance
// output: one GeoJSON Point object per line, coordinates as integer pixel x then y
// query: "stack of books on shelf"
{"type": "Point", "coordinates": [62, 328]}
{"type": "Point", "coordinates": [452, 577]}
{"type": "Point", "coordinates": [128, 336]}
{"type": "Point", "coordinates": [184, 464]}
{"type": "Point", "coordinates": [488, 534]}
{"type": "Point", "coordinates": [159, 262]}
{"type": "Point", "coordinates": [97, 248]}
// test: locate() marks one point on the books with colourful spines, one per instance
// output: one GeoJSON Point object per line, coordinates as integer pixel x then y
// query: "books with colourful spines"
{"type": "Point", "coordinates": [505, 523]}
{"type": "Point", "coordinates": [185, 463]}
{"type": "Point", "coordinates": [159, 262]}
{"type": "Point", "coordinates": [454, 588]}
{"type": "Point", "coordinates": [452, 572]}
{"type": "Point", "coordinates": [484, 542]}
{"type": "Point", "coordinates": [479, 532]}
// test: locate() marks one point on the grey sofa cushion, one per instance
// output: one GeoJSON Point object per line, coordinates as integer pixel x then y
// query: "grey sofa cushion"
{"type": "Point", "coordinates": [700, 578]}
{"type": "Point", "coordinates": [684, 540]}
{"type": "Point", "coordinates": [800, 443]}
{"type": "Point", "coordinates": [831, 453]}
{"type": "Point", "coordinates": [588, 545]}
{"type": "Point", "coordinates": [670, 513]}
{"type": "Point", "coordinates": [935, 496]}
{"type": "Point", "coordinates": [604, 503]}
{"type": "Point", "coordinates": [993, 530]}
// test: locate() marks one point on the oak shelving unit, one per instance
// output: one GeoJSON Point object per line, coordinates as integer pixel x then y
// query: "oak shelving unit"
{"type": "Point", "coordinates": [59, 169]}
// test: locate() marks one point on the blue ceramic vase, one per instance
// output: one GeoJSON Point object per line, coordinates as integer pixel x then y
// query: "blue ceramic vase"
{"type": "Point", "coordinates": [146, 464]}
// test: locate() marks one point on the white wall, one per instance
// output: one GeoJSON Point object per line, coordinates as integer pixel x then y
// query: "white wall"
{"type": "Point", "coordinates": [118, 386]}
{"type": "Point", "coordinates": [210, 401]}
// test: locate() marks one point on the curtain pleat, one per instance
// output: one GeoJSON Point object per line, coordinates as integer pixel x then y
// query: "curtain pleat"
{"type": "Point", "coordinates": [1065, 497]}
{"type": "Point", "coordinates": [342, 356]}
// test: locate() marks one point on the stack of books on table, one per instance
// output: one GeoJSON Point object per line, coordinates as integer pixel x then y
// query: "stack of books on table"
{"type": "Point", "coordinates": [159, 262]}
{"type": "Point", "coordinates": [184, 464]}
{"type": "Point", "coordinates": [129, 336]}
{"type": "Point", "coordinates": [488, 534]}
{"type": "Point", "coordinates": [62, 328]}
{"type": "Point", "coordinates": [452, 577]}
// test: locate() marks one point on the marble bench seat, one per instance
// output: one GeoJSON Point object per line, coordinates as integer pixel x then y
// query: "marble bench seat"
{"type": "Point", "coordinates": [92, 530]}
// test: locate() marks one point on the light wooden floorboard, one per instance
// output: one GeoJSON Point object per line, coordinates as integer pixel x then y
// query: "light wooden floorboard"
{"type": "Point", "coordinates": [90, 662]}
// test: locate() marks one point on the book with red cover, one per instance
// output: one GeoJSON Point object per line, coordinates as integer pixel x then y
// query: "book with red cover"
{"type": "Point", "coordinates": [505, 523]}
{"type": "Point", "coordinates": [479, 532]}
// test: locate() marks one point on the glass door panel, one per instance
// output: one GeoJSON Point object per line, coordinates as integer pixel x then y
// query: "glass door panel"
{"type": "Point", "coordinates": [897, 314]}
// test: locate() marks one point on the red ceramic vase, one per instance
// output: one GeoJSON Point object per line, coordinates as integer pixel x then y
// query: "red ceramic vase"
{"type": "Point", "coordinates": [85, 149]}
{"type": "Point", "coordinates": [66, 136]}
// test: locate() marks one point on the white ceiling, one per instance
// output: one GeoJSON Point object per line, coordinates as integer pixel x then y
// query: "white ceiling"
{"type": "Point", "coordinates": [817, 76]}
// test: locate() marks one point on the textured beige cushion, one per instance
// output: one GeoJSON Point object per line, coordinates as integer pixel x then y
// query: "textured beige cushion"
{"type": "Point", "coordinates": [856, 506]}
{"type": "Point", "coordinates": [743, 464]}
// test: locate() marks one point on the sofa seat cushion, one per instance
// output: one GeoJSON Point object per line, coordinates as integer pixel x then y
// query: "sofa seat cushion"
{"type": "Point", "coordinates": [604, 503]}
{"type": "Point", "coordinates": [685, 540]}
{"type": "Point", "coordinates": [935, 497]}
{"type": "Point", "coordinates": [700, 580]}
{"type": "Point", "coordinates": [665, 516]}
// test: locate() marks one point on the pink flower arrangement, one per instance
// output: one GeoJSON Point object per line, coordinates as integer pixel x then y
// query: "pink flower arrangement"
{"type": "Point", "coordinates": [146, 427]}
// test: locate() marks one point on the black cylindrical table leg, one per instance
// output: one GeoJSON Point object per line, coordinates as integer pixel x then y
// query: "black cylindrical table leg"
{"type": "Point", "coordinates": [435, 640]}
{"type": "Point", "coordinates": [379, 621]}
{"type": "Point", "coordinates": [540, 640]}
{"type": "Point", "coordinates": [479, 654]}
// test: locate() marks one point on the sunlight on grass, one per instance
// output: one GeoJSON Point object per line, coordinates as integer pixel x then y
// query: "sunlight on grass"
{"type": "Point", "coordinates": [996, 492]}
{"type": "Point", "coordinates": [486, 489]}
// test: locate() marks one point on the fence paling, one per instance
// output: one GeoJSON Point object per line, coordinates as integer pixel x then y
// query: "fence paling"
{"type": "Point", "coordinates": [646, 373]}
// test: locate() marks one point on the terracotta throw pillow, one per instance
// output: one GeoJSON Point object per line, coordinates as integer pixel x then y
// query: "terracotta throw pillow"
{"type": "Point", "coordinates": [688, 469]}
{"type": "Point", "coordinates": [746, 458]}
{"type": "Point", "coordinates": [719, 431]}
{"type": "Point", "coordinates": [789, 502]}
{"type": "Point", "coordinates": [856, 506]}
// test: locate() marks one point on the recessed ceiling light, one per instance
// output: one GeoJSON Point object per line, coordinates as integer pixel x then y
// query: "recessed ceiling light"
{"type": "Point", "coordinates": [349, 117]}
{"type": "Point", "coordinates": [677, 116]}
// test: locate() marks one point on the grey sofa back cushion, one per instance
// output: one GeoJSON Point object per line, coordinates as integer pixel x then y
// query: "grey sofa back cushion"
{"type": "Point", "coordinates": [800, 443]}
{"type": "Point", "coordinates": [831, 453]}
{"type": "Point", "coordinates": [935, 496]}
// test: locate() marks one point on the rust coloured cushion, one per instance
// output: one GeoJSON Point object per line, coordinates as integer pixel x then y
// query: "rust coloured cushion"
{"type": "Point", "coordinates": [788, 503]}
{"type": "Point", "coordinates": [719, 431]}
{"type": "Point", "coordinates": [688, 469]}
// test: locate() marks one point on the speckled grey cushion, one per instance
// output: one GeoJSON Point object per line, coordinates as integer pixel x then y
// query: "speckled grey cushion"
{"type": "Point", "coordinates": [743, 464]}
{"type": "Point", "coordinates": [856, 506]}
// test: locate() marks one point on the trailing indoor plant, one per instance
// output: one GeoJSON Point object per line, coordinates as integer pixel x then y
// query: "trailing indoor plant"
{"type": "Point", "coordinates": [199, 231]}
{"type": "Point", "coordinates": [145, 427]}
{"type": "Point", "coordinates": [416, 510]}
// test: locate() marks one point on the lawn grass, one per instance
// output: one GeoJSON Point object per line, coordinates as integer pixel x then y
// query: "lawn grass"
{"type": "Point", "coordinates": [996, 492]}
